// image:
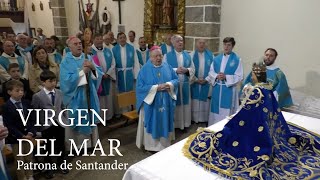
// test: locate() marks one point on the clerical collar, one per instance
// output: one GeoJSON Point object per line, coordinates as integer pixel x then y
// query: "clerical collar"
{"type": "Point", "coordinates": [178, 52]}
{"type": "Point", "coordinates": [157, 66]}
{"type": "Point", "coordinates": [77, 58]}
{"type": "Point", "coordinates": [272, 66]}
{"type": "Point", "coordinates": [143, 49]}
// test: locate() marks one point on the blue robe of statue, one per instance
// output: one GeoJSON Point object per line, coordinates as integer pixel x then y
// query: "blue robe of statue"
{"type": "Point", "coordinates": [74, 96]}
{"type": "Point", "coordinates": [280, 85]}
{"type": "Point", "coordinates": [159, 115]}
{"type": "Point", "coordinates": [257, 143]}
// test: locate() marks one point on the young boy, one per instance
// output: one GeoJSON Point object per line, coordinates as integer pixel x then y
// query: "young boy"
{"type": "Point", "coordinates": [51, 98]}
{"type": "Point", "coordinates": [14, 72]}
{"type": "Point", "coordinates": [17, 130]}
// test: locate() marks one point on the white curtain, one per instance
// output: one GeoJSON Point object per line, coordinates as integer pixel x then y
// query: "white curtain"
{"type": "Point", "coordinates": [18, 27]}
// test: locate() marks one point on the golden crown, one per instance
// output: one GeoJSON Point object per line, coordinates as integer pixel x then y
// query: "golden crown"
{"type": "Point", "coordinates": [258, 68]}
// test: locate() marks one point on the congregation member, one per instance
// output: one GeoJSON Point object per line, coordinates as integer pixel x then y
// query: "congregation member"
{"type": "Point", "coordinates": [157, 85]}
{"type": "Point", "coordinates": [11, 37]}
{"type": "Point", "coordinates": [17, 130]}
{"type": "Point", "coordinates": [201, 89]}
{"type": "Point", "coordinates": [53, 54]}
{"type": "Point", "coordinates": [22, 48]}
{"type": "Point", "coordinates": [79, 79]}
{"type": "Point", "coordinates": [103, 57]}
{"type": "Point", "coordinates": [167, 46]}
{"type": "Point", "coordinates": [40, 36]}
{"type": "Point", "coordinates": [182, 64]}
{"type": "Point", "coordinates": [276, 77]}
{"type": "Point", "coordinates": [225, 73]}
{"type": "Point", "coordinates": [41, 63]}
{"type": "Point", "coordinates": [9, 57]}
{"type": "Point", "coordinates": [14, 72]}
{"type": "Point", "coordinates": [143, 51]}
{"type": "Point", "coordinates": [51, 98]}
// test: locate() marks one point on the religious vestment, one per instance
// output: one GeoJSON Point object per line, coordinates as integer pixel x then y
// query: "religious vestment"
{"type": "Point", "coordinates": [65, 51]}
{"type": "Point", "coordinates": [257, 143]}
{"type": "Point", "coordinates": [74, 86]}
{"type": "Point", "coordinates": [109, 46]}
{"type": "Point", "coordinates": [143, 56]}
{"type": "Point", "coordinates": [156, 108]}
{"type": "Point", "coordinates": [55, 57]}
{"type": "Point", "coordinates": [224, 98]}
{"type": "Point", "coordinates": [200, 92]}
{"type": "Point", "coordinates": [280, 86]}
{"type": "Point", "coordinates": [165, 48]}
{"type": "Point", "coordinates": [26, 53]}
{"type": "Point", "coordinates": [105, 60]}
{"type": "Point", "coordinates": [176, 59]}
{"type": "Point", "coordinates": [6, 59]}
{"type": "Point", "coordinates": [127, 67]}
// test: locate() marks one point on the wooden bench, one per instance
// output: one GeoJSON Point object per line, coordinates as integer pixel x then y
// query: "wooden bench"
{"type": "Point", "coordinates": [127, 99]}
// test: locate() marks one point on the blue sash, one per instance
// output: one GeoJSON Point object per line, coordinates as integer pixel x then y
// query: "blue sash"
{"type": "Point", "coordinates": [4, 62]}
{"type": "Point", "coordinates": [172, 60]}
{"type": "Point", "coordinates": [105, 83]}
{"type": "Point", "coordinates": [125, 84]}
{"type": "Point", "coordinates": [200, 91]}
{"type": "Point", "coordinates": [220, 89]}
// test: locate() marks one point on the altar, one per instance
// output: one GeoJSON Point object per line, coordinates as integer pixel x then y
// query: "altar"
{"type": "Point", "coordinates": [171, 164]}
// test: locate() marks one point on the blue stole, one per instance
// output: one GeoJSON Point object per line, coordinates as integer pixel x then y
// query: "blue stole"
{"type": "Point", "coordinates": [57, 58]}
{"type": "Point", "coordinates": [172, 60]}
{"type": "Point", "coordinates": [220, 89]}
{"type": "Point", "coordinates": [105, 83]}
{"type": "Point", "coordinates": [140, 57]}
{"type": "Point", "coordinates": [74, 96]}
{"type": "Point", "coordinates": [164, 48]}
{"type": "Point", "coordinates": [125, 84]}
{"type": "Point", "coordinates": [200, 91]}
{"type": "Point", "coordinates": [158, 116]}
{"type": "Point", "coordinates": [4, 62]}
{"type": "Point", "coordinates": [67, 49]}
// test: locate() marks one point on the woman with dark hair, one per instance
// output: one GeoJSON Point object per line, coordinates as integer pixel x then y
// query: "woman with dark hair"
{"type": "Point", "coordinates": [257, 142]}
{"type": "Point", "coordinates": [41, 63]}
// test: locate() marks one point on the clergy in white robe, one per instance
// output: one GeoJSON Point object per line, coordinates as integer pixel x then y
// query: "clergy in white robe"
{"type": "Point", "coordinates": [9, 57]}
{"type": "Point", "coordinates": [22, 48]}
{"type": "Point", "coordinates": [156, 89]}
{"type": "Point", "coordinates": [225, 73]}
{"type": "Point", "coordinates": [79, 82]}
{"type": "Point", "coordinates": [142, 52]}
{"type": "Point", "coordinates": [201, 89]}
{"type": "Point", "coordinates": [107, 41]}
{"type": "Point", "coordinates": [53, 54]}
{"type": "Point", "coordinates": [167, 46]}
{"type": "Point", "coordinates": [127, 67]}
{"type": "Point", "coordinates": [132, 39]}
{"type": "Point", "coordinates": [182, 64]}
{"type": "Point", "coordinates": [103, 57]}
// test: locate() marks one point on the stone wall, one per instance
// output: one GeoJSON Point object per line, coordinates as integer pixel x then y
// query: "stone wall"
{"type": "Point", "coordinates": [59, 19]}
{"type": "Point", "coordinates": [202, 20]}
